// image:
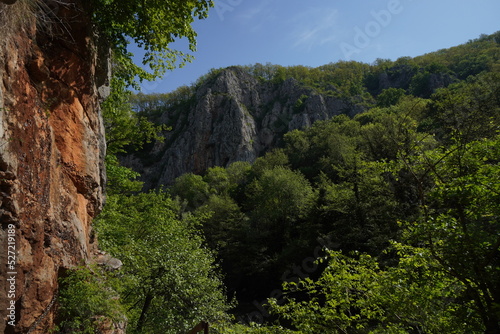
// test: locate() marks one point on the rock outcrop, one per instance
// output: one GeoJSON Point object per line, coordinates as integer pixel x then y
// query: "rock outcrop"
{"type": "Point", "coordinates": [233, 117]}
{"type": "Point", "coordinates": [51, 154]}
{"type": "Point", "coordinates": [402, 76]}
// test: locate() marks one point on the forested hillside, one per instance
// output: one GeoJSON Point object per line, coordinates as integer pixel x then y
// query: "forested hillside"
{"type": "Point", "coordinates": [378, 214]}
{"type": "Point", "coordinates": [239, 113]}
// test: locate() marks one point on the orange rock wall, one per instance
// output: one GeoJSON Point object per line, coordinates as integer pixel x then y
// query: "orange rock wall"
{"type": "Point", "coordinates": [51, 153]}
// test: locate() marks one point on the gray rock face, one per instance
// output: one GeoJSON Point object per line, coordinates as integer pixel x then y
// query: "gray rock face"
{"type": "Point", "coordinates": [234, 117]}
{"type": "Point", "coordinates": [398, 77]}
{"type": "Point", "coordinates": [109, 262]}
{"type": "Point", "coordinates": [401, 76]}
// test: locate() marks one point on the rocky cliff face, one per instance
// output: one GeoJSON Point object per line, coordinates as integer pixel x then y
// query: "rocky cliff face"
{"type": "Point", "coordinates": [233, 117]}
{"type": "Point", "coordinates": [401, 76]}
{"type": "Point", "coordinates": [51, 154]}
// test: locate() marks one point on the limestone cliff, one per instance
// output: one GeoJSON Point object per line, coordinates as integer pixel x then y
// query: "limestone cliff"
{"type": "Point", "coordinates": [232, 117]}
{"type": "Point", "coordinates": [51, 152]}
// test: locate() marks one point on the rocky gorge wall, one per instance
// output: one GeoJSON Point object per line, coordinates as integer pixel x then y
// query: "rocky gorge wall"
{"type": "Point", "coordinates": [53, 74]}
{"type": "Point", "coordinates": [233, 117]}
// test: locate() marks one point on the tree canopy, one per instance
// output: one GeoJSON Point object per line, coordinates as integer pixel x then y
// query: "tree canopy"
{"type": "Point", "coordinates": [152, 25]}
{"type": "Point", "coordinates": [169, 281]}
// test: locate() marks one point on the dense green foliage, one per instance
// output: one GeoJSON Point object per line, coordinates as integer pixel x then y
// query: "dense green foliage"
{"type": "Point", "coordinates": [446, 279]}
{"type": "Point", "coordinates": [87, 302]}
{"type": "Point", "coordinates": [355, 295]}
{"type": "Point", "coordinates": [169, 281]}
{"type": "Point", "coordinates": [405, 197]}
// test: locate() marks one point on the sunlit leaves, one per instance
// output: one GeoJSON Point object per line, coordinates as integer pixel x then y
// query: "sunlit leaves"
{"type": "Point", "coordinates": [355, 295]}
{"type": "Point", "coordinates": [461, 222]}
{"type": "Point", "coordinates": [153, 25]}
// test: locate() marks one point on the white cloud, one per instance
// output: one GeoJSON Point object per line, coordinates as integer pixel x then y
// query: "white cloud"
{"type": "Point", "coordinates": [257, 15]}
{"type": "Point", "coordinates": [314, 27]}
{"type": "Point", "coordinates": [253, 12]}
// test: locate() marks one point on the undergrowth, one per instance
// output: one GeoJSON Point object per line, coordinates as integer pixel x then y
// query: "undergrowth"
{"type": "Point", "coordinates": [87, 302]}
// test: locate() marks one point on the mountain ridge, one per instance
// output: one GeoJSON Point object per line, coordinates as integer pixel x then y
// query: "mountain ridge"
{"type": "Point", "coordinates": [246, 117]}
{"type": "Point", "coordinates": [239, 113]}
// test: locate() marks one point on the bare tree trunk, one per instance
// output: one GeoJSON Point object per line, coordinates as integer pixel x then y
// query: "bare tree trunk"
{"type": "Point", "coordinates": [145, 308]}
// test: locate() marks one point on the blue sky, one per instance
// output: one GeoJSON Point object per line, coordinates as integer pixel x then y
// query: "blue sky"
{"type": "Point", "coordinates": [317, 32]}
